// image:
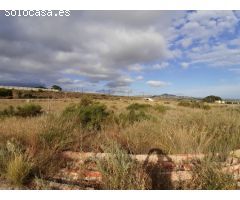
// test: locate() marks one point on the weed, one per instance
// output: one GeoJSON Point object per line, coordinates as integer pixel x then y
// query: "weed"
{"type": "Point", "coordinates": [121, 172]}
{"type": "Point", "coordinates": [194, 104]}
{"type": "Point", "coordinates": [10, 111]}
{"type": "Point", "coordinates": [137, 106]}
{"type": "Point", "coordinates": [91, 116]}
{"type": "Point", "coordinates": [28, 110]}
{"type": "Point", "coordinates": [18, 169]}
{"type": "Point", "coordinates": [132, 117]}
{"type": "Point", "coordinates": [208, 176]}
{"type": "Point", "coordinates": [160, 108]}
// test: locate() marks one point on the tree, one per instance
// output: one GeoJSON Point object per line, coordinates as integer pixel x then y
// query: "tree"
{"type": "Point", "coordinates": [56, 87]}
{"type": "Point", "coordinates": [5, 92]}
{"type": "Point", "coordinates": [212, 98]}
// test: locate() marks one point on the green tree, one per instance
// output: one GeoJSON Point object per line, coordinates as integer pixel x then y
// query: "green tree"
{"type": "Point", "coordinates": [212, 98]}
{"type": "Point", "coordinates": [56, 87]}
{"type": "Point", "coordinates": [5, 92]}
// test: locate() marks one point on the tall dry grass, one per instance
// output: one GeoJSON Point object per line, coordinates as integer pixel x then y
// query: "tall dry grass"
{"type": "Point", "coordinates": [169, 128]}
{"type": "Point", "coordinates": [120, 172]}
{"type": "Point", "coordinates": [186, 131]}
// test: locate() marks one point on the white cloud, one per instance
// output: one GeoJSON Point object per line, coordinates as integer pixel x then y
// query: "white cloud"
{"type": "Point", "coordinates": [92, 45]}
{"type": "Point", "coordinates": [186, 42]}
{"type": "Point", "coordinates": [135, 68]}
{"type": "Point", "coordinates": [201, 38]}
{"type": "Point", "coordinates": [154, 83]}
{"type": "Point", "coordinates": [160, 66]}
{"type": "Point", "coordinates": [139, 78]}
{"type": "Point", "coordinates": [184, 65]}
{"type": "Point", "coordinates": [121, 82]}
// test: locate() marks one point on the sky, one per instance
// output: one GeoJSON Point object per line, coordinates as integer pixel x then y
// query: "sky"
{"type": "Point", "coordinates": [192, 53]}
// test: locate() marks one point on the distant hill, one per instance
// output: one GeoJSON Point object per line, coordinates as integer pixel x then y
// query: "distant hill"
{"type": "Point", "coordinates": [172, 96]}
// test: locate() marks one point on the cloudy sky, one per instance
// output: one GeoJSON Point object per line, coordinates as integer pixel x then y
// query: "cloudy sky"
{"type": "Point", "coordinates": [193, 53]}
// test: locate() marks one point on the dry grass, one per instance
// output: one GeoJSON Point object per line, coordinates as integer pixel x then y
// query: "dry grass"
{"type": "Point", "coordinates": [209, 176]}
{"type": "Point", "coordinates": [186, 131]}
{"type": "Point", "coordinates": [120, 172]}
{"type": "Point", "coordinates": [18, 169]}
{"type": "Point", "coordinates": [170, 128]}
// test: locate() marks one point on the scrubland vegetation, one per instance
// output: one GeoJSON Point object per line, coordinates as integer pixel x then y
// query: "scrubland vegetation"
{"type": "Point", "coordinates": [32, 138]}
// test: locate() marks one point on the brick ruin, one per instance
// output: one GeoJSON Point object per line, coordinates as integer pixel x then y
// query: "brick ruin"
{"type": "Point", "coordinates": [166, 171]}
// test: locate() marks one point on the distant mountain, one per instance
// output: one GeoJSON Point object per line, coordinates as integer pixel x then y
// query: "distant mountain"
{"type": "Point", "coordinates": [172, 96]}
{"type": "Point", "coordinates": [167, 95]}
{"type": "Point", "coordinates": [17, 84]}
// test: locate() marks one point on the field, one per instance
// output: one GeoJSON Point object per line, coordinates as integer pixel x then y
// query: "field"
{"type": "Point", "coordinates": [32, 140]}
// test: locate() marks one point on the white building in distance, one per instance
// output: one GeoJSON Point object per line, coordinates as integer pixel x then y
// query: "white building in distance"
{"type": "Point", "coordinates": [27, 88]}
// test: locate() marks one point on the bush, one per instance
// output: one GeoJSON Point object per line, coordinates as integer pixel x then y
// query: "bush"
{"type": "Point", "coordinates": [90, 115]}
{"type": "Point", "coordinates": [5, 92]}
{"type": "Point", "coordinates": [132, 116]}
{"type": "Point", "coordinates": [212, 98]}
{"type": "Point", "coordinates": [137, 106]}
{"type": "Point", "coordinates": [194, 104]}
{"type": "Point", "coordinates": [184, 103]}
{"type": "Point", "coordinates": [56, 87]}
{"type": "Point", "coordinates": [28, 110]}
{"type": "Point", "coordinates": [10, 111]}
{"type": "Point", "coordinates": [93, 116]}
{"type": "Point", "coordinates": [86, 101]}
{"type": "Point", "coordinates": [161, 108]}
{"type": "Point", "coordinates": [120, 172]}
{"type": "Point", "coordinates": [135, 113]}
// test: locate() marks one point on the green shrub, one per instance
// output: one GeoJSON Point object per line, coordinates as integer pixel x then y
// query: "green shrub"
{"type": "Point", "coordinates": [161, 108]}
{"type": "Point", "coordinates": [135, 113]}
{"type": "Point", "coordinates": [28, 110]}
{"type": "Point", "coordinates": [86, 101]}
{"type": "Point", "coordinates": [56, 87]}
{"type": "Point", "coordinates": [120, 172]}
{"type": "Point", "coordinates": [184, 103]}
{"type": "Point", "coordinates": [212, 98]}
{"type": "Point", "coordinates": [194, 104]}
{"type": "Point", "coordinates": [5, 92]}
{"type": "Point", "coordinates": [132, 116]}
{"type": "Point", "coordinates": [10, 111]}
{"type": "Point", "coordinates": [137, 106]}
{"type": "Point", "coordinates": [91, 116]}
